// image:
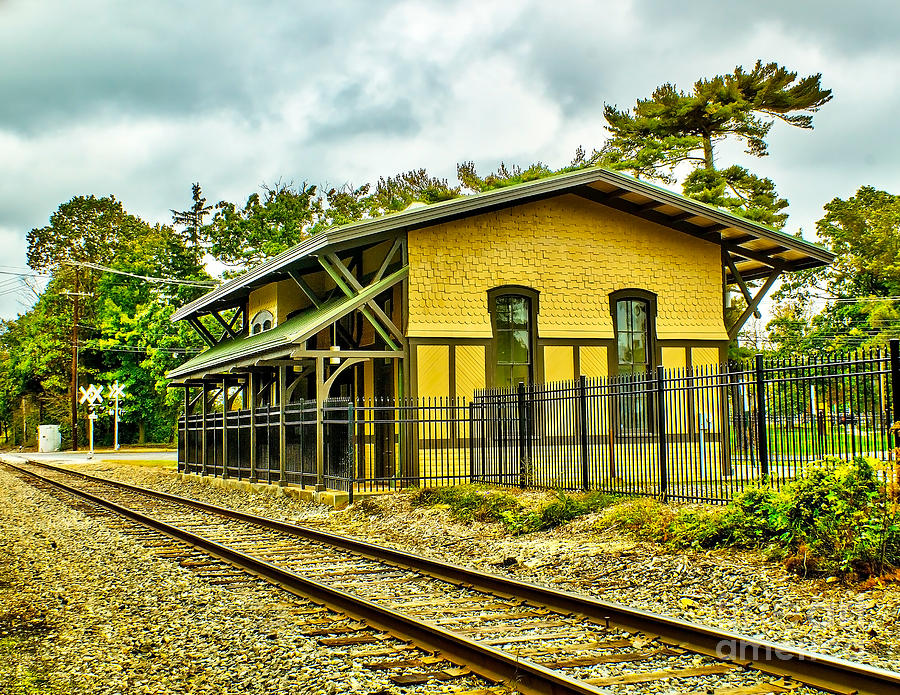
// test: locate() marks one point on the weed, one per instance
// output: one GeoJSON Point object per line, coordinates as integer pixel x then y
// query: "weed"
{"type": "Point", "coordinates": [472, 503]}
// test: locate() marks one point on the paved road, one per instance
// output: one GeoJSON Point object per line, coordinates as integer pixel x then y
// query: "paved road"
{"type": "Point", "coordinates": [100, 456]}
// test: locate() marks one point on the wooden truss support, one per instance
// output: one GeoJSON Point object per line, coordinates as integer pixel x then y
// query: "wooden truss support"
{"type": "Point", "coordinates": [229, 331]}
{"type": "Point", "coordinates": [351, 287]}
{"type": "Point", "coordinates": [399, 245]}
{"type": "Point", "coordinates": [201, 329]}
{"type": "Point", "coordinates": [241, 314]}
{"type": "Point", "coordinates": [753, 303]}
{"type": "Point", "coordinates": [305, 288]}
{"type": "Point", "coordinates": [317, 302]}
{"type": "Point", "coordinates": [735, 273]}
{"type": "Point", "coordinates": [295, 382]}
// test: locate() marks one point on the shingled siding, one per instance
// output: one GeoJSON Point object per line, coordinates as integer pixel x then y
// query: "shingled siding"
{"type": "Point", "coordinates": [574, 252]}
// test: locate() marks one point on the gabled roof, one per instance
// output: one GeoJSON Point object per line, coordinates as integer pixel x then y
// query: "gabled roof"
{"type": "Point", "coordinates": [757, 248]}
{"type": "Point", "coordinates": [283, 338]}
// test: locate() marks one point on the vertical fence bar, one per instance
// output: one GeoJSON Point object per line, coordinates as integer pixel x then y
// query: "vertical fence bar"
{"type": "Point", "coordinates": [762, 434]}
{"type": "Point", "coordinates": [205, 426]}
{"type": "Point", "coordinates": [351, 453]}
{"type": "Point", "coordinates": [583, 431]}
{"type": "Point", "coordinates": [895, 388]}
{"type": "Point", "coordinates": [520, 400]}
{"type": "Point", "coordinates": [472, 442]}
{"type": "Point", "coordinates": [661, 433]}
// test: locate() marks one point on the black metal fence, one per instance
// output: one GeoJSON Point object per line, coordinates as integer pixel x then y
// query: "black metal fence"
{"type": "Point", "coordinates": [699, 434]}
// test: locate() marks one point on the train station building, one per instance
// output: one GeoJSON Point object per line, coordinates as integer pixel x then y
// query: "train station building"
{"type": "Point", "coordinates": [588, 273]}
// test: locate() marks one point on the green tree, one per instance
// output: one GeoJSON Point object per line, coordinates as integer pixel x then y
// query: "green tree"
{"type": "Point", "coordinates": [861, 287]}
{"type": "Point", "coordinates": [133, 340]}
{"type": "Point", "coordinates": [674, 128]}
{"type": "Point", "coordinates": [191, 220]}
{"type": "Point", "coordinates": [124, 331]}
{"type": "Point", "coordinates": [264, 226]}
{"type": "Point", "coordinates": [86, 228]}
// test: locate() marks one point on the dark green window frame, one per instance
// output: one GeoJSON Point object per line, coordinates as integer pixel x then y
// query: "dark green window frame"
{"type": "Point", "coordinates": [634, 323]}
{"type": "Point", "coordinates": [513, 312]}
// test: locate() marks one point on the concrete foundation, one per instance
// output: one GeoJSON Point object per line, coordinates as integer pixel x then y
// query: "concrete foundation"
{"type": "Point", "coordinates": [332, 498]}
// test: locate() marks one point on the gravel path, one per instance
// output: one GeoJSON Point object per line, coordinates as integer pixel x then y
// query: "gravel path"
{"type": "Point", "coordinates": [86, 609]}
{"type": "Point", "coordinates": [737, 591]}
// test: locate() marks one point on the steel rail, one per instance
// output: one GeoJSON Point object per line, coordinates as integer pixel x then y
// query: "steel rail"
{"type": "Point", "coordinates": [826, 672]}
{"type": "Point", "coordinates": [483, 660]}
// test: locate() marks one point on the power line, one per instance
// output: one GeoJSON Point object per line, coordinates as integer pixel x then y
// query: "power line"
{"type": "Point", "coordinates": [148, 278]}
{"type": "Point", "coordinates": [137, 349]}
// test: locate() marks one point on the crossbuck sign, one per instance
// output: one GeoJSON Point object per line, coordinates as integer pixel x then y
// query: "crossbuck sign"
{"type": "Point", "coordinates": [93, 396]}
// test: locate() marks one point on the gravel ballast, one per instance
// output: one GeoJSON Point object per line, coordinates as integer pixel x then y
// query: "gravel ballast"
{"type": "Point", "coordinates": [741, 592]}
{"type": "Point", "coordinates": [85, 608]}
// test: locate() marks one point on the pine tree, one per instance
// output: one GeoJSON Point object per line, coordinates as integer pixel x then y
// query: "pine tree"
{"type": "Point", "coordinates": [674, 128]}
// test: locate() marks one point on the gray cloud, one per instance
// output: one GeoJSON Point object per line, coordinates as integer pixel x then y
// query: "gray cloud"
{"type": "Point", "coordinates": [142, 99]}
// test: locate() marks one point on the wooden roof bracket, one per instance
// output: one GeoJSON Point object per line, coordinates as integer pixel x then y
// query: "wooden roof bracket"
{"type": "Point", "coordinates": [753, 303]}
{"type": "Point", "coordinates": [351, 287]}
{"type": "Point", "coordinates": [735, 273]}
{"type": "Point", "coordinates": [229, 328]}
{"type": "Point", "coordinates": [305, 288]}
{"type": "Point", "coordinates": [208, 337]}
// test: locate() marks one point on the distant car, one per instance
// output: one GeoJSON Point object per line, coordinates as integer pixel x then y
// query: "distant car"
{"type": "Point", "coordinates": [846, 418]}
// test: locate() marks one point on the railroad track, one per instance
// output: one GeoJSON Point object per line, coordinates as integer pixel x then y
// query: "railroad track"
{"type": "Point", "coordinates": [507, 631]}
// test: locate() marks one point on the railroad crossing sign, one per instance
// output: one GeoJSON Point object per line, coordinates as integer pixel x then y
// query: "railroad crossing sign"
{"type": "Point", "coordinates": [116, 391]}
{"type": "Point", "coordinates": [91, 395]}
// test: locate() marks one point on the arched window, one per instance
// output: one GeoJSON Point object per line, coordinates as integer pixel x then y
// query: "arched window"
{"type": "Point", "coordinates": [634, 321]}
{"type": "Point", "coordinates": [262, 321]}
{"type": "Point", "coordinates": [513, 311]}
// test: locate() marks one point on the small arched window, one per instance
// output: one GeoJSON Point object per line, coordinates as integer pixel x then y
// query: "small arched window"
{"type": "Point", "coordinates": [262, 321]}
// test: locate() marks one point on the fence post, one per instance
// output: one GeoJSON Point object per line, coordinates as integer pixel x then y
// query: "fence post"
{"type": "Point", "coordinates": [224, 428]}
{"type": "Point", "coordinates": [252, 379]}
{"type": "Point", "coordinates": [204, 431]}
{"type": "Point", "coordinates": [762, 432]}
{"type": "Point", "coordinates": [582, 413]}
{"type": "Point", "coordinates": [523, 433]}
{"type": "Point", "coordinates": [472, 442]}
{"type": "Point", "coordinates": [351, 453]}
{"type": "Point", "coordinates": [661, 433]}
{"type": "Point", "coordinates": [895, 387]}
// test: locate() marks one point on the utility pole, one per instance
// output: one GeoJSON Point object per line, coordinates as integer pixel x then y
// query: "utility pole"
{"type": "Point", "coordinates": [76, 295]}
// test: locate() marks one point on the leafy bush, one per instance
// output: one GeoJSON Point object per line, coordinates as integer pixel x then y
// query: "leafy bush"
{"type": "Point", "coordinates": [836, 518]}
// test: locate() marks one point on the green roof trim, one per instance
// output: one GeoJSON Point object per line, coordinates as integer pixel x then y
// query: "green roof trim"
{"type": "Point", "coordinates": [285, 336]}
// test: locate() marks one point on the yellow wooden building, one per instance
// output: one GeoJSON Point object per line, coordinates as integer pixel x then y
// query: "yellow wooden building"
{"type": "Point", "coordinates": [589, 273]}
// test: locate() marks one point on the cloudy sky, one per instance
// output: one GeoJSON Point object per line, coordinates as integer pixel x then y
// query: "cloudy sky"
{"type": "Point", "coordinates": [142, 99]}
